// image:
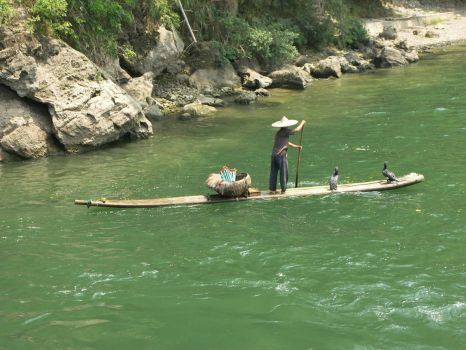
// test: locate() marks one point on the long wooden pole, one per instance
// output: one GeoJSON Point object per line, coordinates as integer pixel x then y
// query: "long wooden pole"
{"type": "Point", "coordinates": [187, 21]}
{"type": "Point", "coordinates": [299, 157]}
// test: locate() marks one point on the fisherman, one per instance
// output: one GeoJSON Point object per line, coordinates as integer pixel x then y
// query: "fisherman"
{"type": "Point", "coordinates": [279, 160]}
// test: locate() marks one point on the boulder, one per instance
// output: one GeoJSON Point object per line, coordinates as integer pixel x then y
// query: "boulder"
{"type": "Point", "coordinates": [211, 101]}
{"type": "Point", "coordinates": [411, 56]}
{"type": "Point", "coordinates": [347, 67]}
{"type": "Point", "coordinates": [402, 45]}
{"type": "Point", "coordinates": [431, 34]}
{"type": "Point", "coordinates": [214, 78]}
{"type": "Point", "coordinates": [262, 92]}
{"type": "Point", "coordinates": [112, 68]}
{"type": "Point", "coordinates": [154, 57]}
{"type": "Point", "coordinates": [252, 80]}
{"type": "Point", "coordinates": [390, 57]}
{"type": "Point", "coordinates": [87, 109]}
{"type": "Point", "coordinates": [354, 62]}
{"type": "Point", "coordinates": [28, 141]}
{"type": "Point", "coordinates": [25, 127]}
{"type": "Point", "coordinates": [326, 68]}
{"type": "Point", "coordinates": [354, 59]}
{"type": "Point", "coordinates": [197, 109]}
{"type": "Point", "coordinates": [389, 32]}
{"type": "Point", "coordinates": [245, 97]}
{"type": "Point", "coordinates": [290, 77]}
{"type": "Point", "coordinates": [141, 88]}
{"type": "Point", "coordinates": [153, 112]}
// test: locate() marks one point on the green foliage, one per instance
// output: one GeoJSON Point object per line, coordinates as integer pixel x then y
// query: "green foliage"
{"type": "Point", "coordinates": [368, 8]}
{"type": "Point", "coordinates": [5, 11]}
{"type": "Point", "coordinates": [163, 10]}
{"type": "Point", "coordinates": [353, 32]}
{"type": "Point", "coordinates": [343, 28]}
{"type": "Point", "coordinates": [97, 23]}
{"type": "Point", "coordinates": [270, 30]}
{"type": "Point", "coordinates": [127, 52]}
{"type": "Point", "coordinates": [48, 17]}
{"type": "Point", "coordinates": [272, 44]}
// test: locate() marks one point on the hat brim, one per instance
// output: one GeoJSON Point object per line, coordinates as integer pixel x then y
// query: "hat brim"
{"type": "Point", "coordinates": [281, 124]}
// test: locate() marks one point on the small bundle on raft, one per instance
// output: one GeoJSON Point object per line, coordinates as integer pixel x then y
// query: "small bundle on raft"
{"type": "Point", "coordinates": [237, 188]}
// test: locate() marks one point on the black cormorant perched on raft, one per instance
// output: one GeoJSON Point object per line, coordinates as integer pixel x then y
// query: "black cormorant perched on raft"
{"type": "Point", "coordinates": [391, 177]}
{"type": "Point", "coordinates": [333, 180]}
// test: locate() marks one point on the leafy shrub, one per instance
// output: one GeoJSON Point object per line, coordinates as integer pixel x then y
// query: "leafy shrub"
{"type": "Point", "coordinates": [97, 24]}
{"type": "Point", "coordinates": [127, 52]}
{"type": "Point", "coordinates": [163, 10]}
{"type": "Point", "coordinates": [272, 44]}
{"type": "Point", "coordinates": [48, 17]}
{"type": "Point", "coordinates": [354, 32]}
{"type": "Point", "coordinates": [5, 11]}
{"type": "Point", "coordinates": [270, 30]}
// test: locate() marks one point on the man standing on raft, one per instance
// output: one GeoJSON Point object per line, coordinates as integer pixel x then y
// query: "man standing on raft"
{"type": "Point", "coordinates": [279, 160]}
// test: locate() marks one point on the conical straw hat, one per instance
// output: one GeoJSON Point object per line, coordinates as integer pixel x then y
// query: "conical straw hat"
{"type": "Point", "coordinates": [284, 122]}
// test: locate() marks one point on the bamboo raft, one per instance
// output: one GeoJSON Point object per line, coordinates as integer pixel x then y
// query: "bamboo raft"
{"type": "Point", "coordinates": [380, 185]}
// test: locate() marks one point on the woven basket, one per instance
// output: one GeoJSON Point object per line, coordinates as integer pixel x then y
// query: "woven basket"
{"type": "Point", "coordinates": [237, 188]}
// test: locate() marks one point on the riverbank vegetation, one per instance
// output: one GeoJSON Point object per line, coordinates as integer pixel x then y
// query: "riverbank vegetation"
{"type": "Point", "coordinates": [271, 30]}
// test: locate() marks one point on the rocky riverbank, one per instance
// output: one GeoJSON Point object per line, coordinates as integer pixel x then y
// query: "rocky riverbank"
{"type": "Point", "coordinates": [55, 100]}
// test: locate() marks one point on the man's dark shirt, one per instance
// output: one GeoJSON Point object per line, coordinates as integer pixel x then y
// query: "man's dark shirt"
{"type": "Point", "coordinates": [281, 141]}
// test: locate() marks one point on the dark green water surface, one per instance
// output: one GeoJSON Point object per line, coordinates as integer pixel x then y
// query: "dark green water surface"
{"type": "Point", "coordinates": [360, 271]}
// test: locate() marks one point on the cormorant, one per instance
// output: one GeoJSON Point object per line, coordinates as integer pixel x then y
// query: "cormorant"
{"type": "Point", "coordinates": [333, 180]}
{"type": "Point", "coordinates": [388, 174]}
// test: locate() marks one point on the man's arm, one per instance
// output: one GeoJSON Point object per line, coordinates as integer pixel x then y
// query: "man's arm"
{"type": "Point", "coordinates": [292, 145]}
{"type": "Point", "coordinates": [299, 127]}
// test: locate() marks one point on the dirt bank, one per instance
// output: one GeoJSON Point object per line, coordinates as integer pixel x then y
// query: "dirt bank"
{"type": "Point", "coordinates": [424, 28]}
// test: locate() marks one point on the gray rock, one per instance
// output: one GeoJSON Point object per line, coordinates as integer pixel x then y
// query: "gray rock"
{"type": "Point", "coordinates": [346, 67]}
{"type": "Point", "coordinates": [252, 80]}
{"type": "Point", "coordinates": [196, 109]}
{"type": "Point", "coordinates": [290, 77]}
{"type": "Point", "coordinates": [112, 68]}
{"type": "Point", "coordinates": [212, 78]}
{"type": "Point", "coordinates": [28, 141]}
{"type": "Point", "coordinates": [431, 34]}
{"type": "Point", "coordinates": [226, 91]}
{"type": "Point", "coordinates": [390, 57]}
{"type": "Point", "coordinates": [329, 67]}
{"type": "Point", "coordinates": [389, 32]}
{"type": "Point", "coordinates": [141, 88]}
{"type": "Point", "coordinates": [245, 97]}
{"type": "Point", "coordinates": [211, 101]}
{"type": "Point", "coordinates": [153, 112]}
{"type": "Point", "coordinates": [402, 45]}
{"type": "Point", "coordinates": [87, 109]}
{"type": "Point", "coordinates": [262, 92]}
{"type": "Point", "coordinates": [354, 59]}
{"type": "Point", "coordinates": [20, 118]}
{"type": "Point", "coordinates": [163, 56]}
{"type": "Point", "coordinates": [411, 56]}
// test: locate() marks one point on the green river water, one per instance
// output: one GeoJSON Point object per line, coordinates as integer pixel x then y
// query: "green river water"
{"type": "Point", "coordinates": [357, 271]}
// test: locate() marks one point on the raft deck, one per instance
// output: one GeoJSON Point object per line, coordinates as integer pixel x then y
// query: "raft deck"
{"type": "Point", "coordinates": [381, 185]}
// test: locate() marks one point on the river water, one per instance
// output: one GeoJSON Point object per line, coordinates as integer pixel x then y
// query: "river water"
{"type": "Point", "coordinates": [356, 271]}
